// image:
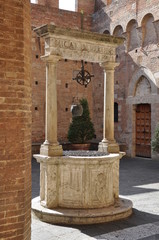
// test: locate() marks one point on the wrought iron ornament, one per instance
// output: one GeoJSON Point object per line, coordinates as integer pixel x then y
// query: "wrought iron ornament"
{"type": "Point", "coordinates": [83, 77]}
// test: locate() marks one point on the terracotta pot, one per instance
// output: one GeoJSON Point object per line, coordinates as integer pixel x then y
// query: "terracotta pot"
{"type": "Point", "coordinates": [80, 146]}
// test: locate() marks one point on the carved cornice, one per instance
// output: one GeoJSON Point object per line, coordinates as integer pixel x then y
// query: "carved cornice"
{"type": "Point", "coordinates": [78, 34]}
{"type": "Point", "coordinates": [78, 45]}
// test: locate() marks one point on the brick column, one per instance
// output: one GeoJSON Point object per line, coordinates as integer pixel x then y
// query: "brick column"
{"type": "Point", "coordinates": [51, 146]}
{"type": "Point", "coordinates": [15, 120]}
{"type": "Point", "coordinates": [108, 141]}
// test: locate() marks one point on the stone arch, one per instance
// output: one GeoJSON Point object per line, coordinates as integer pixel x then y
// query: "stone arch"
{"type": "Point", "coordinates": [149, 35]}
{"type": "Point", "coordinates": [142, 90]}
{"type": "Point", "coordinates": [118, 31]}
{"type": "Point", "coordinates": [106, 32]}
{"type": "Point", "coordinates": [145, 72]}
{"type": "Point", "coordinates": [143, 87]}
{"type": "Point", "coordinates": [133, 40]}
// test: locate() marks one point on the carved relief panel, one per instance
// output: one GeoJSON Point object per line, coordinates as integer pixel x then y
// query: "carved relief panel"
{"type": "Point", "coordinates": [71, 186]}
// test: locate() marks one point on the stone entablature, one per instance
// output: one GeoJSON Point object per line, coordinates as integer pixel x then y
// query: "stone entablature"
{"type": "Point", "coordinates": [78, 45]}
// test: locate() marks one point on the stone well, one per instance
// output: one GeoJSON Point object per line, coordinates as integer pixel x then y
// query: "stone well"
{"type": "Point", "coordinates": [80, 190]}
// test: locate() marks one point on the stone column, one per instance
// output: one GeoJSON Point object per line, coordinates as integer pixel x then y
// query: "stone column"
{"type": "Point", "coordinates": [51, 146]}
{"type": "Point", "coordinates": [108, 141]}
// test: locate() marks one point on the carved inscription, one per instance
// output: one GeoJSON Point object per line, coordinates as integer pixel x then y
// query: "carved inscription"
{"type": "Point", "coordinates": [73, 49]}
{"type": "Point", "coordinates": [79, 46]}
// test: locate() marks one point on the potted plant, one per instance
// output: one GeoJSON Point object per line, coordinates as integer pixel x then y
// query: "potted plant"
{"type": "Point", "coordinates": [155, 143]}
{"type": "Point", "coordinates": [81, 130]}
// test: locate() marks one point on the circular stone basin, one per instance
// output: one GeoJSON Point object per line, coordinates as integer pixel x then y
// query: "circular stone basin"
{"type": "Point", "coordinates": [83, 183]}
{"type": "Point", "coordinates": [79, 179]}
{"type": "Point", "coordinates": [83, 153]}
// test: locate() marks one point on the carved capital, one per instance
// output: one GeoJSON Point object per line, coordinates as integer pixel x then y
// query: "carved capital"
{"type": "Point", "coordinates": [109, 66]}
{"type": "Point", "coordinates": [51, 58]}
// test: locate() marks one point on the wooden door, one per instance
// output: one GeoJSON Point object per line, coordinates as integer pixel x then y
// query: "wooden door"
{"type": "Point", "coordinates": [143, 130]}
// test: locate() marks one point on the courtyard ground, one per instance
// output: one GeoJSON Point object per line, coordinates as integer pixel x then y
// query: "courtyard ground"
{"type": "Point", "coordinates": [139, 182]}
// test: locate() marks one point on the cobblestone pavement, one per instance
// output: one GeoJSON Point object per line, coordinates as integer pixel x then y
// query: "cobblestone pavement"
{"type": "Point", "coordinates": [139, 182]}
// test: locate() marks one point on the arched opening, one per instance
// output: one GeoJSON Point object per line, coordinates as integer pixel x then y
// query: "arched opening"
{"type": "Point", "coordinates": [106, 32]}
{"type": "Point", "coordinates": [70, 5]}
{"type": "Point", "coordinates": [148, 30]}
{"type": "Point", "coordinates": [118, 31]}
{"type": "Point", "coordinates": [132, 35]}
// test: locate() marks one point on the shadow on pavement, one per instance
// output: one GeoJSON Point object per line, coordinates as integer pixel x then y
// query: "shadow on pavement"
{"type": "Point", "coordinates": [136, 172]}
{"type": "Point", "coordinates": [136, 219]}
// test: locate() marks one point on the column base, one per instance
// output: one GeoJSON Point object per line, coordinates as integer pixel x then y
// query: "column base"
{"type": "Point", "coordinates": [103, 147]}
{"type": "Point", "coordinates": [108, 147]}
{"type": "Point", "coordinates": [51, 150]}
{"type": "Point", "coordinates": [113, 147]}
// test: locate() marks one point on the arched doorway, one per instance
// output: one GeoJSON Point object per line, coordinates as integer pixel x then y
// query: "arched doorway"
{"type": "Point", "coordinates": [142, 101]}
{"type": "Point", "coordinates": [143, 130]}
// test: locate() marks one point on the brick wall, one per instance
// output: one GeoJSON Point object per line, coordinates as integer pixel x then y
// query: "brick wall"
{"type": "Point", "coordinates": [42, 14]}
{"type": "Point", "coordinates": [130, 15]}
{"type": "Point", "coordinates": [88, 6]}
{"type": "Point", "coordinates": [15, 120]}
{"type": "Point", "coordinates": [109, 15]}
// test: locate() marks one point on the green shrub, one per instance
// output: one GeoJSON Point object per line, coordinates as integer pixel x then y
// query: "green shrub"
{"type": "Point", "coordinates": [155, 141]}
{"type": "Point", "coordinates": [81, 129]}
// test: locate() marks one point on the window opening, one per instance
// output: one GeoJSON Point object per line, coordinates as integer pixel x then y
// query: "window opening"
{"type": "Point", "coordinates": [106, 32]}
{"type": "Point", "coordinates": [68, 5]}
{"type": "Point", "coordinates": [34, 1]}
{"type": "Point", "coordinates": [115, 112]}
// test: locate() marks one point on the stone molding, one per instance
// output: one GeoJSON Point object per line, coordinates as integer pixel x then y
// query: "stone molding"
{"type": "Point", "coordinates": [142, 71]}
{"type": "Point", "coordinates": [109, 66]}
{"type": "Point", "coordinates": [77, 45]}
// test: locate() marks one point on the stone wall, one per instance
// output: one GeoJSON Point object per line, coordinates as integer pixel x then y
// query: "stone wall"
{"type": "Point", "coordinates": [15, 120]}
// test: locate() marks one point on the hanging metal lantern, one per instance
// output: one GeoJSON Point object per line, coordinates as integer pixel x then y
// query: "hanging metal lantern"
{"type": "Point", "coordinates": [83, 77]}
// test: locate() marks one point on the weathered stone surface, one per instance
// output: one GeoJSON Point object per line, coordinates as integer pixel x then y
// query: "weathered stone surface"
{"type": "Point", "coordinates": [122, 208]}
{"type": "Point", "coordinates": [77, 45]}
{"type": "Point", "coordinates": [79, 182]}
{"type": "Point", "coordinates": [83, 189]}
